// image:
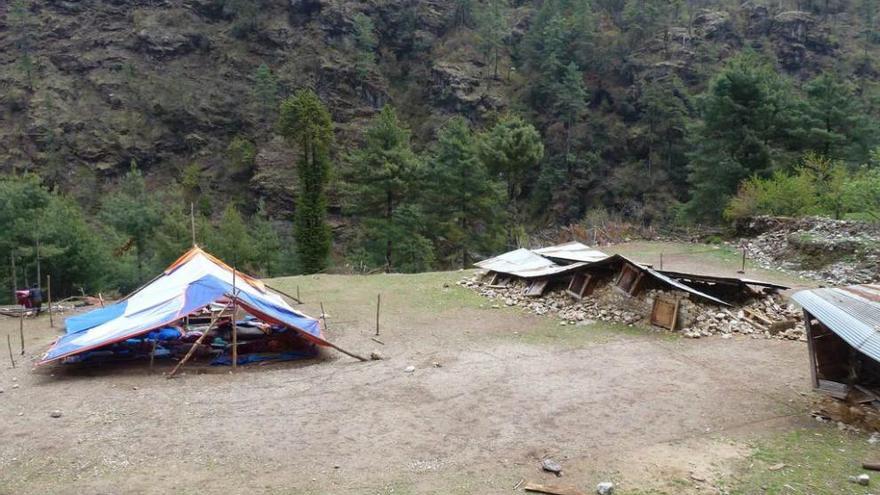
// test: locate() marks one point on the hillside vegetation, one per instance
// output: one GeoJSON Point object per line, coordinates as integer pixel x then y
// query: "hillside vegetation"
{"type": "Point", "coordinates": [458, 126]}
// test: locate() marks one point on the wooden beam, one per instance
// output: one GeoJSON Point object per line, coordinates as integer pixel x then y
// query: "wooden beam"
{"type": "Point", "coordinates": [811, 349]}
{"type": "Point", "coordinates": [214, 320]}
{"type": "Point", "coordinates": [553, 489]}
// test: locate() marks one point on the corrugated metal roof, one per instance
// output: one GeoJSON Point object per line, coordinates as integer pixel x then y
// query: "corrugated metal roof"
{"type": "Point", "coordinates": [851, 312]}
{"type": "Point", "coordinates": [526, 264]}
{"type": "Point", "coordinates": [696, 277]}
{"type": "Point", "coordinates": [572, 251]}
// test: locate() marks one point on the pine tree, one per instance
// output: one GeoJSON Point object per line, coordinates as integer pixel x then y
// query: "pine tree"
{"type": "Point", "coordinates": [467, 208]}
{"type": "Point", "coordinates": [493, 27]}
{"type": "Point", "coordinates": [508, 150]}
{"type": "Point", "coordinates": [265, 91]}
{"type": "Point", "coordinates": [570, 100]}
{"type": "Point", "coordinates": [365, 43]}
{"type": "Point", "coordinates": [305, 121]}
{"type": "Point", "coordinates": [748, 124]}
{"type": "Point", "coordinates": [21, 23]}
{"type": "Point", "coordinates": [134, 212]}
{"type": "Point", "coordinates": [834, 123]}
{"type": "Point", "coordinates": [267, 242]}
{"type": "Point", "coordinates": [232, 241]}
{"type": "Point", "coordinates": [384, 179]}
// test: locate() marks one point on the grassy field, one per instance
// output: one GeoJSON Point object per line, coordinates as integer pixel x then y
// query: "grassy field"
{"type": "Point", "coordinates": [494, 391]}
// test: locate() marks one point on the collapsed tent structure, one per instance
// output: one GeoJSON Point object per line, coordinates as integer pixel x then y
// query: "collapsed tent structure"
{"type": "Point", "coordinates": [843, 335]}
{"type": "Point", "coordinates": [196, 288]}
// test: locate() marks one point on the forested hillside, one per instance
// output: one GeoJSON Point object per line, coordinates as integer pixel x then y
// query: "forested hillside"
{"type": "Point", "coordinates": [427, 133]}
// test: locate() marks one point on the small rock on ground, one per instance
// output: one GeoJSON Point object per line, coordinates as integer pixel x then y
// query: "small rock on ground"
{"type": "Point", "coordinates": [605, 488]}
{"type": "Point", "coordinates": [55, 414]}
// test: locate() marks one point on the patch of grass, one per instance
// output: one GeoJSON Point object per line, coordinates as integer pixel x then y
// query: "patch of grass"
{"type": "Point", "coordinates": [573, 336]}
{"type": "Point", "coordinates": [818, 460]}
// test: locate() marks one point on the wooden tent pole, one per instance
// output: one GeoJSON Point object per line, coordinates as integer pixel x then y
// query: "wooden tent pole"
{"type": "Point", "coordinates": [198, 342]}
{"type": "Point", "coordinates": [192, 222]}
{"type": "Point", "coordinates": [378, 305]}
{"type": "Point", "coordinates": [234, 324]}
{"type": "Point", "coordinates": [14, 276]}
{"type": "Point", "coordinates": [21, 329]}
{"type": "Point", "coordinates": [284, 293]}
{"type": "Point", "coordinates": [49, 297]}
{"type": "Point", "coordinates": [340, 349]}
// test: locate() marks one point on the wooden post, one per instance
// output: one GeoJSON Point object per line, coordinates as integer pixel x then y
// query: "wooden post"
{"type": "Point", "coordinates": [21, 329]}
{"type": "Point", "coordinates": [661, 261]}
{"type": "Point", "coordinates": [192, 221]}
{"type": "Point", "coordinates": [378, 306]}
{"type": "Point", "coordinates": [37, 250]}
{"type": "Point", "coordinates": [153, 354]}
{"type": "Point", "coordinates": [234, 325]}
{"type": "Point", "coordinates": [323, 316]}
{"type": "Point", "coordinates": [9, 346]}
{"type": "Point", "coordinates": [297, 295]}
{"type": "Point", "coordinates": [49, 298]}
{"type": "Point", "coordinates": [743, 269]}
{"type": "Point", "coordinates": [14, 276]}
{"type": "Point", "coordinates": [297, 299]}
{"type": "Point", "coordinates": [214, 320]}
{"type": "Point", "coordinates": [811, 348]}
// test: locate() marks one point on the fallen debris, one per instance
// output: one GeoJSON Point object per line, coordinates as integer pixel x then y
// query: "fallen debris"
{"type": "Point", "coordinates": [376, 356]}
{"type": "Point", "coordinates": [553, 489]}
{"type": "Point", "coordinates": [871, 466]}
{"type": "Point", "coordinates": [838, 252]}
{"type": "Point", "coordinates": [695, 318]}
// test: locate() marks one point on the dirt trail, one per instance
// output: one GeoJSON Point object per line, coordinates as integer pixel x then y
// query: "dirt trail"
{"type": "Point", "coordinates": [619, 407]}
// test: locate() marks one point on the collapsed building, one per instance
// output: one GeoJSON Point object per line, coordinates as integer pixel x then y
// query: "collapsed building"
{"type": "Point", "coordinates": [580, 283]}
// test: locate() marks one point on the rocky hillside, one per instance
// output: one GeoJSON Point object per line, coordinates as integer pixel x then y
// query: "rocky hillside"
{"type": "Point", "coordinates": [90, 85]}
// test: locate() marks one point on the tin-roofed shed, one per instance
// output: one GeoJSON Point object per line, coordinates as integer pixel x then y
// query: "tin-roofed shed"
{"type": "Point", "coordinates": [843, 334]}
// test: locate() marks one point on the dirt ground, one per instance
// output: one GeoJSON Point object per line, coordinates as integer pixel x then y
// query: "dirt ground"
{"type": "Point", "coordinates": [494, 391]}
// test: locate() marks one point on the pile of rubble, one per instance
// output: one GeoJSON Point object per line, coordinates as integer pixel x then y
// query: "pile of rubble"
{"type": "Point", "coordinates": [839, 252]}
{"type": "Point", "coordinates": [765, 317]}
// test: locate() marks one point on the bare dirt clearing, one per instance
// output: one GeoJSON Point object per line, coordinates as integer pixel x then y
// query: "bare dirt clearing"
{"type": "Point", "coordinates": [648, 410]}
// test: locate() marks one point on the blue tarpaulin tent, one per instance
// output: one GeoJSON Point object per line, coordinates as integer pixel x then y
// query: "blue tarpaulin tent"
{"type": "Point", "coordinates": [194, 281]}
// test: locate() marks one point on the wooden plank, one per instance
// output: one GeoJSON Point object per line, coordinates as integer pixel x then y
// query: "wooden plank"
{"type": "Point", "coordinates": [663, 313]}
{"type": "Point", "coordinates": [536, 287]}
{"type": "Point", "coordinates": [553, 489]}
{"type": "Point", "coordinates": [834, 389]}
{"type": "Point", "coordinates": [755, 315]}
{"type": "Point", "coordinates": [675, 315]}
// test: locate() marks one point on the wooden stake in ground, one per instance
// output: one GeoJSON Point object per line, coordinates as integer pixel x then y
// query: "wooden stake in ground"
{"type": "Point", "coordinates": [49, 298]}
{"type": "Point", "coordinates": [234, 325]}
{"type": "Point", "coordinates": [661, 261]}
{"type": "Point", "coordinates": [21, 329]}
{"type": "Point", "coordinates": [323, 316]}
{"type": "Point", "coordinates": [743, 269]}
{"type": "Point", "coordinates": [153, 354]}
{"type": "Point", "coordinates": [378, 305]}
{"type": "Point", "coordinates": [9, 346]}
{"type": "Point", "coordinates": [214, 320]}
{"type": "Point", "coordinates": [297, 295]}
{"type": "Point", "coordinates": [14, 275]}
